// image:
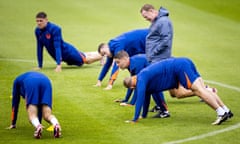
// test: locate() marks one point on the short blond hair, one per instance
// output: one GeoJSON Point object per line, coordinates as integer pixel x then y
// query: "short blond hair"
{"type": "Point", "coordinates": [127, 82]}
{"type": "Point", "coordinates": [130, 82]}
{"type": "Point", "coordinates": [121, 54]}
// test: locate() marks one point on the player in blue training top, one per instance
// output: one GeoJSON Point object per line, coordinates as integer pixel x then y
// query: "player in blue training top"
{"type": "Point", "coordinates": [49, 35]}
{"type": "Point", "coordinates": [169, 75]}
{"type": "Point", "coordinates": [133, 42]}
{"type": "Point", "coordinates": [134, 65]}
{"type": "Point", "coordinates": [36, 89]}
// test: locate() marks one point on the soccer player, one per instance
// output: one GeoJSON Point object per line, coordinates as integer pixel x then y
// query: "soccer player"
{"type": "Point", "coordinates": [49, 35]}
{"type": "Point", "coordinates": [134, 65]}
{"type": "Point", "coordinates": [170, 74]}
{"type": "Point", "coordinates": [36, 89]}
{"type": "Point", "coordinates": [133, 42]}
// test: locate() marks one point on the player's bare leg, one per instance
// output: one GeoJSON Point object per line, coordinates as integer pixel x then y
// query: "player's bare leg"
{"type": "Point", "coordinates": [215, 95]}
{"type": "Point", "coordinates": [199, 89]}
{"type": "Point", "coordinates": [210, 98]}
{"type": "Point", "coordinates": [181, 92]}
{"type": "Point", "coordinates": [92, 57]}
{"type": "Point", "coordinates": [50, 118]}
{"type": "Point", "coordinates": [32, 115]}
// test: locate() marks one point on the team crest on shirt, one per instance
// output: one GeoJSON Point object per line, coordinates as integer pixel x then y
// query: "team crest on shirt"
{"type": "Point", "coordinates": [48, 36]}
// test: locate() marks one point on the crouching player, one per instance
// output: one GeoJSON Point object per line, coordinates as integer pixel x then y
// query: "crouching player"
{"type": "Point", "coordinates": [36, 89]}
{"type": "Point", "coordinates": [134, 65]}
{"type": "Point", "coordinates": [171, 74]}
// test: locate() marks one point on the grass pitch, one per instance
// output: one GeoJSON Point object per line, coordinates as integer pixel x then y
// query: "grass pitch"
{"type": "Point", "coordinates": [207, 32]}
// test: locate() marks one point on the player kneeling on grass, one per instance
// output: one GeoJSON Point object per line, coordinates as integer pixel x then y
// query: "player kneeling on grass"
{"type": "Point", "coordinates": [36, 89]}
{"type": "Point", "coordinates": [168, 75]}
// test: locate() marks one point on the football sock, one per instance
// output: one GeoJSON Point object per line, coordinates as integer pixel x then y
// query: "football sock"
{"type": "Point", "coordinates": [220, 111]}
{"type": "Point", "coordinates": [54, 121]}
{"type": "Point", "coordinates": [35, 122]}
{"type": "Point", "coordinates": [226, 108]}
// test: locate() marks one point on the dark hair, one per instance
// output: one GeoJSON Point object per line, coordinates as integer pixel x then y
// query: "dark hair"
{"type": "Point", "coordinates": [100, 46]}
{"type": "Point", "coordinates": [146, 7]}
{"type": "Point", "coordinates": [41, 15]}
{"type": "Point", "coordinates": [121, 54]}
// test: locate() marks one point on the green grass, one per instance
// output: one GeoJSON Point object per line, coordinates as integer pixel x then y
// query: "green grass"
{"type": "Point", "coordinates": [202, 31]}
{"type": "Point", "coordinates": [226, 9]}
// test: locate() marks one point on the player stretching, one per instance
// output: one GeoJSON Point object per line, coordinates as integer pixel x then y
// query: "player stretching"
{"type": "Point", "coordinates": [36, 89]}
{"type": "Point", "coordinates": [170, 74]}
{"type": "Point", "coordinates": [133, 42]}
{"type": "Point", "coordinates": [49, 35]}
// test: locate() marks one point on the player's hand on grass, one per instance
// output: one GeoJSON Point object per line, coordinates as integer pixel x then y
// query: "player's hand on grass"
{"type": "Point", "coordinates": [11, 127]}
{"type": "Point", "coordinates": [141, 117]}
{"type": "Point", "coordinates": [99, 83]}
{"type": "Point", "coordinates": [118, 100]}
{"type": "Point", "coordinates": [109, 87]}
{"type": "Point", "coordinates": [37, 68]}
{"type": "Point", "coordinates": [130, 121]}
{"type": "Point", "coordinates": [58, 68]}
{"type": "Point", "coordinates": [125, 104]}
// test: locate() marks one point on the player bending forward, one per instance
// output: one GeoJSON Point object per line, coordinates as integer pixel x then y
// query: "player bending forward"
{"type": "Point", "coordinates": [36, 89]}
{"type": "Point", "coordinates": [171, 74]}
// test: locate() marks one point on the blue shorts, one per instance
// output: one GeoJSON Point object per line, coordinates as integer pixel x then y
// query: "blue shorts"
{"type": "Point", "coordinates": [186, 72]}
{"type": "Point", "coordinates": [76, 58]}
{"type": "Point", "coordinates": [38, 91]}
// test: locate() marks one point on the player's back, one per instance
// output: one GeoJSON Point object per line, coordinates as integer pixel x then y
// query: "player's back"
{"type": "Point", "coordinates": [159, 76]}
{"type": "Point", "coordinates": [133, 42]}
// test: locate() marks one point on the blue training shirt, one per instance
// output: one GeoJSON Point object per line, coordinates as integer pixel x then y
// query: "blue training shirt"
{"type": "Point", "coordinates": [137, 63]}
{"type": "Point", "coordinates": [163, 75]}
{"type": "Point", "coordinates": [34, 87]}
{"type": "Point", "coordinates": [133, 42]}
{"type": "Point", "coordinates": [51, 38]}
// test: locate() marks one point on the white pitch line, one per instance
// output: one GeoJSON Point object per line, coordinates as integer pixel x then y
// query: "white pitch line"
{"type": "Point", "coordinates": [214, 132]}
{"type": "Point", "coordinates": [178, 141]}
{"type": "Point", "coordinates": [205, 135]}
{"type": "Point", "coordinates": [17, 60]}
{"type": "Point", "coordinates": [223, 85]}
{"type": "Point", "coordinates": [22, 60]}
